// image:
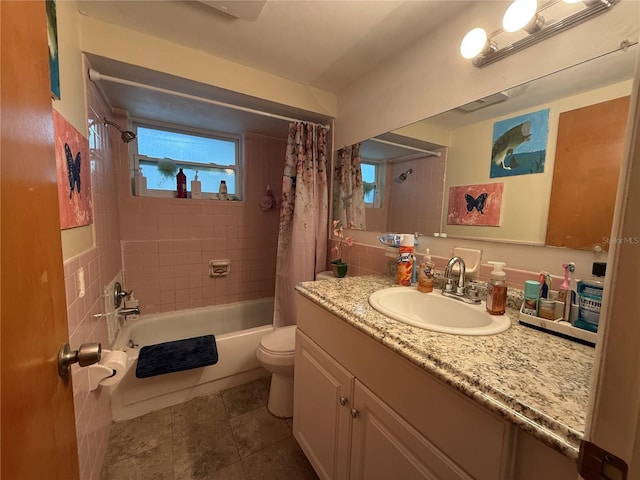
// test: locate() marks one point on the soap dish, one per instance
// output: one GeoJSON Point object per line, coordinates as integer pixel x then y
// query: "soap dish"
{"type": "Point", "coordinates": [563, 329]}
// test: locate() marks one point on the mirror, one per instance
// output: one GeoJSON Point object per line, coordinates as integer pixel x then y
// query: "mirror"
{"type": "Point", "coordinates": [408, 190]}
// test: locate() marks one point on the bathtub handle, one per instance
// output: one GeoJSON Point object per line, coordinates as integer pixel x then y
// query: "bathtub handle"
{"type": "Point", "coordinates": [119, 294]}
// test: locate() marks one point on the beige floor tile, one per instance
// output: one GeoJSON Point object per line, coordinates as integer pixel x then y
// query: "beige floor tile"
{"type": "Point", "coordinates": [136, 436]}
{"type": "Point", "coordinates": [257, 429]}
{"type": "Point", "coordinates": [244, 398]}
{"type": "Point", "coordinates": [281, 461]}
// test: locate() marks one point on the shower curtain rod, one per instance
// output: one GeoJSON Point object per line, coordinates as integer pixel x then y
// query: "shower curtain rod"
{"type": "Point", "coordinates": [387, 142]}
{"type": "Point", "coordinates": [95, 76]}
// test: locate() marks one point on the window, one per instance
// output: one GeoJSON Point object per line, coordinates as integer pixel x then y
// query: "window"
{"type": "Point", "coordinates": [372, 175]}
{"type": "Point", "coordinates": [162, 151]}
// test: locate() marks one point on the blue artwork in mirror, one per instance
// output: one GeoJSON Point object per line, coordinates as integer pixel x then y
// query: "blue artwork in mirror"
{"type": "Point", "coordinates": [520, 145]}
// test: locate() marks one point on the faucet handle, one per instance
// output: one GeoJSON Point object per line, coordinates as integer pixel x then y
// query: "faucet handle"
{"type": "Point", "coordinates": [472, 292]}
{"type": "Point", "coordinates": [449, 286]}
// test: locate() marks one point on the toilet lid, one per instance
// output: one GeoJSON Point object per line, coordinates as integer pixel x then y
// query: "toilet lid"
{"type": "Point", "coordinates": [281, 340]}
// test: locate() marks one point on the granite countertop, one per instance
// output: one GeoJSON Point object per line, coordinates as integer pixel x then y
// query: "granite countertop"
{"type": "Point", "coordinates": [536, 380]}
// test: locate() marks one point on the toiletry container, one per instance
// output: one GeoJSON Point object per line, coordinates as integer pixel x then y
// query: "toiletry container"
{"type": "Point", "coordinates": [531, 297]}
{"type": "Point", "coordinates": [590, 298]}
{"type": "Point", "coordinates": [497, 290]}
{"type": "Point", "coordinates": [139, 183]}
{"type": "Point", "coordinates": [222, 190]}
{"type": "Point", "coordinates": [425, 274]}
{"type": "Point", "coordinates": [181, 180]}
{"type": "Point", "coordinates": [196, 187]}
{"type": "Point", "coordinates": [404, 268]}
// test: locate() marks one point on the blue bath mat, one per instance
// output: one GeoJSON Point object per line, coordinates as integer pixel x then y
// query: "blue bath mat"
{"type": "Point", "coordinates": [176, 356]}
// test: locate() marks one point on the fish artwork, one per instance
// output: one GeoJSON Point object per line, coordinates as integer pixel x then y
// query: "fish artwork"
{"type": "Point", "coordinates": [508, 142]}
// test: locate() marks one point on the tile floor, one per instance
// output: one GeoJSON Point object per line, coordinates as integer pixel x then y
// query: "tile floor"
{"type": "Point", "coordinates": [228, 435]}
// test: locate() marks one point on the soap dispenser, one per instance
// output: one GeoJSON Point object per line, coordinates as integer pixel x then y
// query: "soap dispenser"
{"type": "Point", "coordinates": [497, 290]}
{"type": "Point", "coordinates": [425, 274]}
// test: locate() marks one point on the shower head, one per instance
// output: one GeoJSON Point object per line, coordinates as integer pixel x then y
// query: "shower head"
{"type": "Point", "coordinates": [126, 135]}
{"type": "Point", "coordinates": [403, 176]}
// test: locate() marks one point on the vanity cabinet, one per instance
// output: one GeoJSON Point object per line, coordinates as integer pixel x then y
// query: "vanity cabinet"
{"type": "Point", "coordinates": [363, 412]}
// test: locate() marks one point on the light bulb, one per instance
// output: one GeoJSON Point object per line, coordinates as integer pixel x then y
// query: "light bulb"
{"type": "Point", "coordinates": [519, 14]}
{"type": "Point", "coordinates": [473, 43]}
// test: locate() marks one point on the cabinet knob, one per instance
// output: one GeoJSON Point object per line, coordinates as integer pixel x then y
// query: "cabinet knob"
{"type": "Point", "coordinates": [354, 413]}
{"type": "Point", "coordinates": [344, 401]}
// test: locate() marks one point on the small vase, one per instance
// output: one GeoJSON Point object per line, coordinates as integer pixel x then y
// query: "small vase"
{"type": "Point", "coordinates": [339, 269]}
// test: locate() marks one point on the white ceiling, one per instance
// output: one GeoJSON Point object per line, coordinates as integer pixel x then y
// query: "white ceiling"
{"type": "Point", "coordinates": [325, 44]}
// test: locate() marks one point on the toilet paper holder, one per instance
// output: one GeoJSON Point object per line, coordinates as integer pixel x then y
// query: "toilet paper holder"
{"type": "Point", "coordinates": [87, 354]}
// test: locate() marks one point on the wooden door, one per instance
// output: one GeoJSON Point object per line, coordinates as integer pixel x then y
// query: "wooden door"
{"type": "Point", "coordinates": [589, 152]}
{"type": "Point", "coordinates": [38, 431]}
{"type": "Point", "coordinates": [322, 401]}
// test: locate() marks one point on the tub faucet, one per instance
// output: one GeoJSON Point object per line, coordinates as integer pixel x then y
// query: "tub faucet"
{"type": "Point", "coordinates": [129, 311]}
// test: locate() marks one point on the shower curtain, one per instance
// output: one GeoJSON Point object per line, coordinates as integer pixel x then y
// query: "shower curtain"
{"type": "Point", "coordinates": [348, 191]}
{"type": "Point", "coordinates": [302, 239]}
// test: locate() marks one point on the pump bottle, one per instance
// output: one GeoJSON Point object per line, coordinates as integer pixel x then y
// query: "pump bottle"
{"type": "Point", "coordinates": [497, 290]}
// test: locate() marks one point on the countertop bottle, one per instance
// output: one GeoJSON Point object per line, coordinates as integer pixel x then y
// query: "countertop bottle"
{"type": "Point", "coordinates": [531, 297]}
{"type": "Point", "coordinates": [404, 268]}
{"type": "Point", "coordinates": [497, 290]}
{"type": "Point", "coordinates": [181, 179]}
{"type": "Point", "coordinates": [425, 274]}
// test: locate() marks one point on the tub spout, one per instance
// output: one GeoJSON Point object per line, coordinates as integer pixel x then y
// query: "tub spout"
{"type": "Point", "coordinates": [129, 311]}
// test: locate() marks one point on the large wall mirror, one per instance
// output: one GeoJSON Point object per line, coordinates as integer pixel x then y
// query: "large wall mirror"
{"type": "Point", "coordinates": [536, 164]}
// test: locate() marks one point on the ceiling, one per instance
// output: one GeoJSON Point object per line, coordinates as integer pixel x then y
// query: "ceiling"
{"type": "Point", "coordinates": [324, 44]}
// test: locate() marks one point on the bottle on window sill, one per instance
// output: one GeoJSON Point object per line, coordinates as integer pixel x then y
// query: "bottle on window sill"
{"type": "Point", "coordinates": [196, 187]}
{"type": "Point", "coordinates": [181, 178]}
{"type": "Point", "coordinates": [222, 191]}
{"type": "Point", "coordinates": [139, 183]}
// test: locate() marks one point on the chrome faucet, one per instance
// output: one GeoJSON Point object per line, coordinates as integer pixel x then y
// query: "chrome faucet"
{"type": "Point", "coordinates": [459, 293]}
{"type": "Point", "coordinates": [449, 270]}
{"type": "Point", "coordinates": [129, 311]}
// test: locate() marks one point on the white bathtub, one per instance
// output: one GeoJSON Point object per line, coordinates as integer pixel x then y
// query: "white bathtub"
{"type": "Point", "coordinates": [238, 328]}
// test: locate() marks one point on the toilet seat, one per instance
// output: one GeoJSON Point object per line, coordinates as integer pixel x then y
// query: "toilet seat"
{"type": "Point", "coordinates": [280, 342]}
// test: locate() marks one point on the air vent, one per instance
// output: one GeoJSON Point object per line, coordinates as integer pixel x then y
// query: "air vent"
{"type": "Point", "coordinates": [246, 10]}
{"type": "Point", "coordinates": [484, 102]}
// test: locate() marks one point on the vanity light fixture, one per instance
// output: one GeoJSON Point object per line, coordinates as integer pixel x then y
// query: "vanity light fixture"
{"type": "Point", "coordinates": [475, 43]}
{"type": "Point", "coordinates": [522, 15]}
{"type": "Point", "coordinates": [526, 16]}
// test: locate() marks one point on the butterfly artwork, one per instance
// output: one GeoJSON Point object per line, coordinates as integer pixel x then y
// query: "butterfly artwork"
{"type": "Point", "coordinates": [477, 202]}
{"type": "Point", "coordinates": [73, 170]}
{"type": "Point", "coordinates": [475, 205]}
{"type": "Point", "coordinates": [73, 174]}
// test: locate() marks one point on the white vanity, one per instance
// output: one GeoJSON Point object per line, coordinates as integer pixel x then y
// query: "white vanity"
{"type": "Point", "coordinates": [379, 399]}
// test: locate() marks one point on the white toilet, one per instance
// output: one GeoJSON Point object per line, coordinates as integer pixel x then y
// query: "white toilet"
{"type": "Point", "coordinates": [276, 353]}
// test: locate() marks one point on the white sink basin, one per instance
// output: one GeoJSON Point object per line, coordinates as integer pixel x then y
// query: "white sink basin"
{"type": "Point", "coordinates": [433, 311]}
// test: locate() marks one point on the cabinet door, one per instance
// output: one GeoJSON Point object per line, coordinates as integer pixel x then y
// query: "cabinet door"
{"type": "Point", "coordinates": [385, 446]}
{"type": "Point", "coordinates": [321, 404]}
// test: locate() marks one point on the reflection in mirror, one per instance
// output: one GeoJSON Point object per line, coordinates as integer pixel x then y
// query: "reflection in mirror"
{"type": "Point", "coordinates": [402, 185]}
{"type": "Point", "coordinates": [465, 137]}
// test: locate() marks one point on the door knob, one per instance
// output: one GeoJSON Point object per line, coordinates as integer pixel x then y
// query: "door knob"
{"type": "Point", "coordinates": [354, 413]}
{"type": "Point", "coordinates": [87, 354]}
{"type": "Point", "coordinates": [344, 401]}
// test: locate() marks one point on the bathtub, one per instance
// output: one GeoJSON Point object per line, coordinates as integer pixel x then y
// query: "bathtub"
{"type": "Point", "coordinates": [238, 328]}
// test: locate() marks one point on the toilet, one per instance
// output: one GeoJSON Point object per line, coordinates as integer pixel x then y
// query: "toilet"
{"type": "Point", "coordinates": [276, 353]}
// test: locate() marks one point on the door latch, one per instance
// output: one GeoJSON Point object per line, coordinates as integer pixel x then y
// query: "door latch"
{"type": "Point", "coordinates": [594, 463]}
